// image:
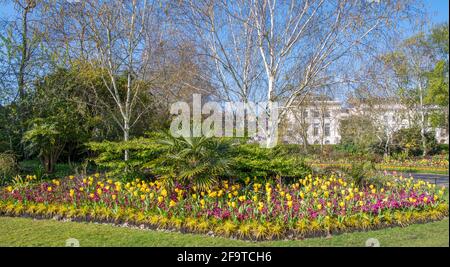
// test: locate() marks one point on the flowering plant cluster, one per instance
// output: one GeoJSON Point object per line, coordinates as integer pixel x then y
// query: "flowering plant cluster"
{"type": "Point", "coordinates": [435, 161]}
{"type": "Point", "coordinates": [250, 209]}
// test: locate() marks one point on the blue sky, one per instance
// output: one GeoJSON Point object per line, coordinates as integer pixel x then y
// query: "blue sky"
{"type": "Point", "coordinates": [437, 10]}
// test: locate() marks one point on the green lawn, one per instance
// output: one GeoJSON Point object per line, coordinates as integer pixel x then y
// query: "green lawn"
{"type": "Point", "coordinates": [29, 232]}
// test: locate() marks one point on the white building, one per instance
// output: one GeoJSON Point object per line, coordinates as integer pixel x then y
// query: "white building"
{"type": "Point", "coordinates": [318, 121]}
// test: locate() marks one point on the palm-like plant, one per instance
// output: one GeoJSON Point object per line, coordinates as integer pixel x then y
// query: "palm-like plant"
{"type": "Point", "coordinates": [198, 160]}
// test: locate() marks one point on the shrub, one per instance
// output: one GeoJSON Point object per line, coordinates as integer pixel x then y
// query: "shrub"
{"type": "Point", "coordinates": [8, 167]}
{"type": "Point", "coordinates": [215, 158]}
{"type": "Point", "coordinates": [250, 160]}
{"type": "Point", "coordinates": [108, 155]}
{"type": "Point", "coordinates": [409, 140]}
{"type": "Point", "coordinates": [360, 171]}
{"type": "Point", "coordinates": [198, 160]}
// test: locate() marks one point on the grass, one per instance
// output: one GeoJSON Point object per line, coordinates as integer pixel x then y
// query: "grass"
{"type": "Point", "coordinates": [29, 232]}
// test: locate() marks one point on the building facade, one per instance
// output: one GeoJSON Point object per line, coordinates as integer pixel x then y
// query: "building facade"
{"type": "Point", "coordinates": [317, 122]}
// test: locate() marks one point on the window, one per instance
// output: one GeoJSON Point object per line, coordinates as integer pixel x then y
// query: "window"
{"type": "Point", "coordinates": [443, 133]}
{"type": "Point", "coordinates": [315, 129]}
{"type": "Point", "coordinates": [327, 142]}
{"type": "Point", "coordinates": [316, 142]}
{"type": "Point", "coordinates": [316, 114]}
{"type": "Point", "coordinates": [327, 129]}
{"type": "Point", "coordinates": [326, 114]}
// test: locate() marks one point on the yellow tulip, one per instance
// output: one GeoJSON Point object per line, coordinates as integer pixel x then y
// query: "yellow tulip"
{"type": "Point", "coordinates": [289, 204]}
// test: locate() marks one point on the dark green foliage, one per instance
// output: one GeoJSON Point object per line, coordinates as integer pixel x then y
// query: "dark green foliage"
{"type": "Point", "coordinates": [250, 160]}
{"type": "Point", "coordinates": [108, 155]}
{"type": "Point", "coordinates": [408, 141]}
{"type": "Point", "coordinates": [196, 158]}
{"type": "Point", "coordinates": [8, 167]}
{"type": "Point", "coordinates": [358, 134]}
{"type": "Point", "coordinates": [358, 172]}
{"type": "Point", "coordinates": [200, 161]}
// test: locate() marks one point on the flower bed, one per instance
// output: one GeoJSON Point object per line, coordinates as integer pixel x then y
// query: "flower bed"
{"type": "Point", "coordinates": [248, 210]}
{"type": "Point", "coordinates": [386, 167]}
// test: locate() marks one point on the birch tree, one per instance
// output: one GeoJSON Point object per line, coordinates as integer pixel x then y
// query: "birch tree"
{"type": "Point", "coordinates": [117, 31]}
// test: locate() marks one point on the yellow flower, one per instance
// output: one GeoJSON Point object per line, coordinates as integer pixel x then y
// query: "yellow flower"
{"type": "Point", "coordinates": [202, 202]}
{"type": "Point", "coordinates": [114, 197]}
{"type": "Point", "coordinates": [91, 195]}
{"type": "Point", "coordinates": [289, 203]}
{"type": "Point", "coordinates": [71, 177]}
{"type": "Point", "coordinates": [142, 197]}
{"type": "Point", "coordinates": [81, 189]}
{"type": "Point", "coordinates": [194, 196]}
{"type": "Point", "coordinates": [341, 204]}
{"type": "Point", "coordinates": [49, 189]}
{"type": "Point", "coordinates": [160, 199]}
{"type": "Point", "coordinates": [9, 188]}
{"type": "Point", "coordinates": [164, 193]}
{"type": "Point", "coordinates": [425, 199]}
{"type": "Point", "coordinates": [233, 204]}
{"type": "Point", "coordinates": [71, 192]}
{"type": "Point", "coordinates": [110, 181]}
{"type": "Point", "coordinates": [374, 191]}
{"type": "Point", "coordinates": [255, 198]}
{"type": "Point", "coordinates": [242, 198]}
{"type": "Point", "coordinates": [260, 206]}
{"type": "Point", "coordinates": [172, 203]}
{"type": "Point", "coordinates": [319, 206]}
